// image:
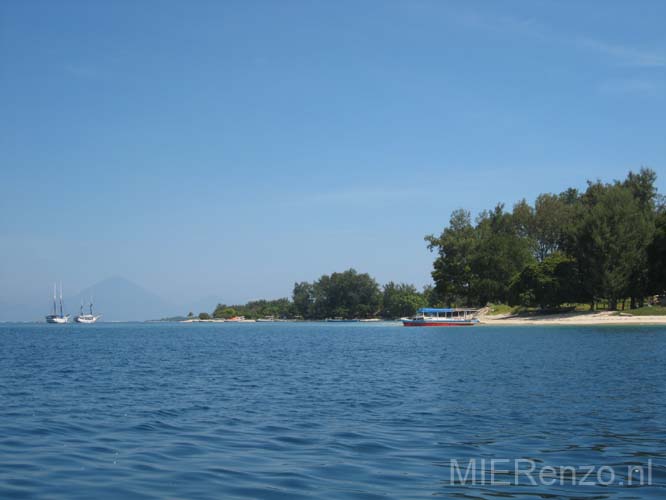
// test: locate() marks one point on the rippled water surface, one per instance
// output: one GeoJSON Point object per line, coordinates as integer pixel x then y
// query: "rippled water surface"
{"type": "Point", "coordinates": [325, 410]}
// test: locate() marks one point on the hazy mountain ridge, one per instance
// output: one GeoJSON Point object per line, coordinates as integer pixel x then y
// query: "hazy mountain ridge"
{"type": "Point", "coordinates": [119, 299]}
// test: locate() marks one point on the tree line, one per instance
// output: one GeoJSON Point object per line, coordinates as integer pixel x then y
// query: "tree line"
{"type": "Point", "coordinates": [604, 244]}
{"type": "Point", "coordinates": [607, 243]}
{"type": "Point", "coordinates": [347, 294]}
{"type": "Point", "coordinates": [350, 294]}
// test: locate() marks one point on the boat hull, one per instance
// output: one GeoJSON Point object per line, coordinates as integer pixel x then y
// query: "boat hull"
{"type": "Point", "coordinates": [58, 320]}
{"type": "Point", "coordinates": [408, 322]}
{"type": "Point", "coordinates": [87, 319]}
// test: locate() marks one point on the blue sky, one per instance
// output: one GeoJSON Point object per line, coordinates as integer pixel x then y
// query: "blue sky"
{"type": "Point", "coordinates": [229, 149]}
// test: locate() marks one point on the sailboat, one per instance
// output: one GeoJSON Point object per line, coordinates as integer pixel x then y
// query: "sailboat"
{"type": "Point", "coordinates": [87, 318]}
{"type": "Point", "coordinates": [55, 317]}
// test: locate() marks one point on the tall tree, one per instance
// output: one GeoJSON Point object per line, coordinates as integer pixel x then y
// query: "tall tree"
{"type": "Point", "coordinates": [400, 300]}
{"type": "Point", "coordinates": [499, 255]}
{"type": "Point", "coordinates": [552, 216]}
{"type": "Point", "coordinates": [523, 220]}
{"type": "Point", "coordinates": [303, 298]}
{"type": "Point", "coordinates": [348, 294]}
{"type": "Point", "coordinates": [642, 187]}
{"type": "Point", "coordinates": [657, 256]}
{"type": "Point", "coordinates": [455, 247]}
{"type": "Point", "coordinates": [613, 237]}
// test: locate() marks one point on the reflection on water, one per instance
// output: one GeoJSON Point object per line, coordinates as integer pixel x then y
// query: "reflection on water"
{"type": "Point", "coordinates": [328, 410]}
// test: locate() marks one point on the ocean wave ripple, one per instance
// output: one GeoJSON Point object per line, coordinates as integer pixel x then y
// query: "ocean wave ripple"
{"type": "Point", "coordinates": [289, 411]}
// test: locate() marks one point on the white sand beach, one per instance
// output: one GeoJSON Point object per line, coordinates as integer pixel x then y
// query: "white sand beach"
{"type": "Point", "coordinates": [574, 318]}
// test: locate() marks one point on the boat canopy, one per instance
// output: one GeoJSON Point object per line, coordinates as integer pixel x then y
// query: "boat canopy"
{"type": "Point", "coordinates": [434, 310]}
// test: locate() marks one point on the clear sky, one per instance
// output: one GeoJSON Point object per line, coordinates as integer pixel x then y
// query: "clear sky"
{"type": "Point", "coordinates": [231, 148]}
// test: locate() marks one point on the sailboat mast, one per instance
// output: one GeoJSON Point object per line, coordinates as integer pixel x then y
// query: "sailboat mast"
{"type": "Point", "coordinates": [54, 300]}
{"type": "Point", "coordinates": [61, 314]}
{"type": "Point", "coordinates": [91, 305]}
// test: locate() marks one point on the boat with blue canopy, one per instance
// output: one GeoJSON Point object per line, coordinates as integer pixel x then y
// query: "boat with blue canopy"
{"type": "Point", "coordinates": [431, 316]}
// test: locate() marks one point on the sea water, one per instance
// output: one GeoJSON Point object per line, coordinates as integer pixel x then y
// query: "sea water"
{"type": "Point", "coordinates": [316, 410]}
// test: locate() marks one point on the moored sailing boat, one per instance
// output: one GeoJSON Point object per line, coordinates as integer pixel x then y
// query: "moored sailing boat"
{"type": "Point", "coordinates": [87, 318]}
{"type": "Point", "coordinates": [55, 317]}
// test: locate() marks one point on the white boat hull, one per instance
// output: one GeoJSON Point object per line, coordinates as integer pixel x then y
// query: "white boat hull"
{"type": "Point", "coordinates": [86, 319]}
{"type": "Point", "coordinates": [59, 320]}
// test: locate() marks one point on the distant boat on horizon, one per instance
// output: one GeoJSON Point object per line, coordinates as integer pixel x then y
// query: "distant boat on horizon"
{"type": "Point", "coordinates": [55, 317]}
{"type": "Point", "coordinates": [87, 318]}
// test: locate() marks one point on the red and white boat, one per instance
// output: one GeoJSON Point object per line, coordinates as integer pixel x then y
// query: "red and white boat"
{"type": "Point", "coordinates": [430, 316]}
{"type": "Point", "coordinates": [239, 319]}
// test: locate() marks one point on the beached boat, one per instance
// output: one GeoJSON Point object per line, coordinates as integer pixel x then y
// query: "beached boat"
{"type": "Point", "coordinates": [430, 316]}
{"type": "Point", "coordinates": [239, 319]}
{"type": "Point", "coordinates": [55, 317]}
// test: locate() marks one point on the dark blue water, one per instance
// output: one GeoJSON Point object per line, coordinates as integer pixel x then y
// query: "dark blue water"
{"type": "Point", "coordinates": [331, 411]}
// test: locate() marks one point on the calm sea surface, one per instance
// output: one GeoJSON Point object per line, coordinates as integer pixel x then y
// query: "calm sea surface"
{"type": "Point", "coordinates": [349, 411]}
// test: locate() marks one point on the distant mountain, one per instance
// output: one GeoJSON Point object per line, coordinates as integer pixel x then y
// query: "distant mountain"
{"type": "Point", "coordinates": [119, 299]}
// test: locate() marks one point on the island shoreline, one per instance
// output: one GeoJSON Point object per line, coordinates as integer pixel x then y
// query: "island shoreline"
{"type": "Point", "coordinates": [572, 318]}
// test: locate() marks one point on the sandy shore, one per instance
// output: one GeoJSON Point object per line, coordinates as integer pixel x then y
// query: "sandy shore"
{"type": "Point", "coordinates": [574, 318]}
{"type": "Point", "coordinates": [570, 318]}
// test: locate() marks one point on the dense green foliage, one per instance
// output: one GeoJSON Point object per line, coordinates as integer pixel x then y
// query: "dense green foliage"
{"type": "Point", "coordinates": [657, 255]}
{"type": "Point", "coordinates": [348, 295]}
{"type": "Point", "coordinates": [400, 300]}
{"type": "Point", "coordinates": [547, 284]}
{"type": "Point", "coordinates": [280, 308]}
{"type": "Point", "coordinates": [607, 243]}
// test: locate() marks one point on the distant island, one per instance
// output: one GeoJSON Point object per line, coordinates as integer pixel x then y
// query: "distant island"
{"type": "Point", "coordinates": [570, 254]}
